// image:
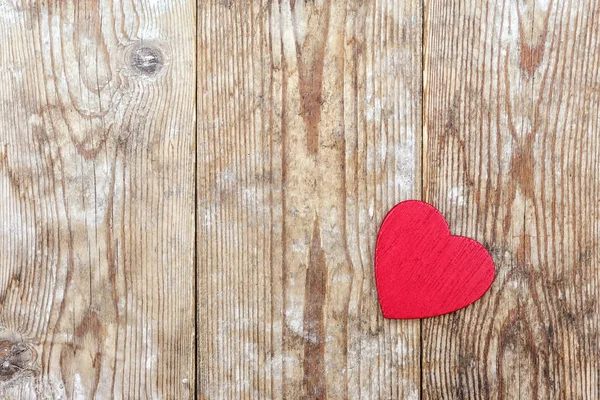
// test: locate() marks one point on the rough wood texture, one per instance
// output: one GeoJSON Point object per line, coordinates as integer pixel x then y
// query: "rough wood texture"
{"type": "Point", "coordinates": [512, 154]}
{"type": "Point", "coordinates": [312, 117]}
{"type": "Point", "coordinates": [97, 199]}
{"type": "Point", "coordinates": [309, 131]}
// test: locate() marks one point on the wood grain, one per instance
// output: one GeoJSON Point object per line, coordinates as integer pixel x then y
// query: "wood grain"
{"type": "Point", "coordinates": [512, 159]}
{"type": "Point", "coordinates": [309, 117]}
{"type": "Point", "coordinates": [97, 199]}
{"type": "Point", "coordinates": [313, 119]}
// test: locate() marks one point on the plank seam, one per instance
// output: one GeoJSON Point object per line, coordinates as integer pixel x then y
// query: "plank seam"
{"type": "Point", "coordinates": [195, 127]}
{"type": "Point", "coordinates": [422, 169]}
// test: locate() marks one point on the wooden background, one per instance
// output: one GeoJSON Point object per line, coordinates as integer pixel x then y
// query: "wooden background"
{"type": "Point", "coordinates": [190, 194]}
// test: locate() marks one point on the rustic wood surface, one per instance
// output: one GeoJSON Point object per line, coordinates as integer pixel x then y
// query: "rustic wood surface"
{"type": "Point", "coordinates": [97, 199]}
{"type": "Point", "coordinates": [512, 150]}
{"type": "Point", "coordinates": [309, 119]}
{"type": "Point", "coordinates": [190, 194]}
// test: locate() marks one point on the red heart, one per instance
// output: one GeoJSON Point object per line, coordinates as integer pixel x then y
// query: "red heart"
{"type": "Point", "coordinates": [423, 271]}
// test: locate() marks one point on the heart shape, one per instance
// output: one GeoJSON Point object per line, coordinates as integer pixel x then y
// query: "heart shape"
{"type": "Point", "coordinates": [421, 269]}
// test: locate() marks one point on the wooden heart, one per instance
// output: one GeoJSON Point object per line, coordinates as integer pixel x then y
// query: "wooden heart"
{"type": "Point", "coordinates": [421, 269]}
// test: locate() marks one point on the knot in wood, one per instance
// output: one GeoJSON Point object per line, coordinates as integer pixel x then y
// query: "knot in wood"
{"type": "Point", "coordinates": [15, 359]}
{"type": "Point", "coordinates": [147, 60]}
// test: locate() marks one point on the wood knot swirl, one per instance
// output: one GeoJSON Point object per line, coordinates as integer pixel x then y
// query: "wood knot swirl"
{"type": "Point", "coordinates": [147, 60]}
{"type": "Point", "coordinates": [16, 359]}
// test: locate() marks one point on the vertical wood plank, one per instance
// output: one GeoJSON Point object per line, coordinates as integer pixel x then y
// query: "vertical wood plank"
{"type": "Point", "coordinates": [308, 132]}
{"type": "Point", "coordinates": [97, 199]}
{"type": "Point", "coordinates": [512, 159]}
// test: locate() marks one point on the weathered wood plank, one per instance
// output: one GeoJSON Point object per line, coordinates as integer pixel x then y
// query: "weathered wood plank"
{"type": "Point", "coordinates": [512, 159]}
{"type": "Point", "coordinates": [309, 131]}
{"type": "Point", "coordinates": [97, 199]}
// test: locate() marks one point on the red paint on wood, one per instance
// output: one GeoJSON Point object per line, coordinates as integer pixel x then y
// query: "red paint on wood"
{"type": "Point", "coordinates": [423, 271]}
